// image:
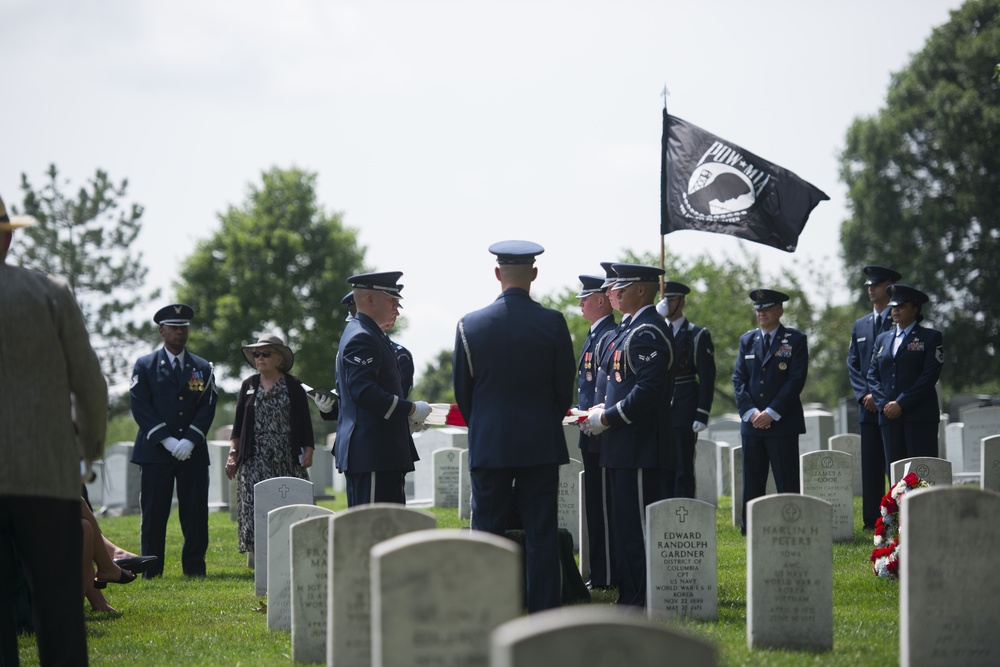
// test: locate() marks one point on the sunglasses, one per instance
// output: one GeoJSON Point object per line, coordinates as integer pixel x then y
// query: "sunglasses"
{"type": "Point", "coordinates": [258, 355]}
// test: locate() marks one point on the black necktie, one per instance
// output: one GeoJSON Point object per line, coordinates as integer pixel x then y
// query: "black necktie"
{"type": "Point", "coordinates": [767, 342]}
{"type": "Point", "coordinates": [178, 371]}
{"type": "Point", "coordinates": [878, 324]}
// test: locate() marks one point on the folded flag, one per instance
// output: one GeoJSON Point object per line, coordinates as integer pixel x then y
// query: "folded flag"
{"type": "Point", "coordinates": [444, 414]}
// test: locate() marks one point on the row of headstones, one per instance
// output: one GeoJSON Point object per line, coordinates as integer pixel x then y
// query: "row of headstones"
{"type": "Point", "coordinates": [115, 486]}
{"type": "Point", "coordinates": [380, 585]}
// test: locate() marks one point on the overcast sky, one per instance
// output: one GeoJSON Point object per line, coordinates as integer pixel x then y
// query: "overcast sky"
{"type": "Point", "coordinates": [439, 127]}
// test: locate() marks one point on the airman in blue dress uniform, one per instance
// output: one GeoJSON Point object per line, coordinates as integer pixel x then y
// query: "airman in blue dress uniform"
{"type": "Point", "coordinates": [768, 378]}
{"type": "Point", "coordinates": [596, 308]}
{"type": "Point", "coordinates": [513, 375]}
{"type": "Point", "coordinates": [905, 368]}
{"type": "Point", "coordinates": [859, 357]}
{"type": "Point", "coordinates": [694, 386]}
{"type": "Point", "coordinates": [373, 447]}
{"type": "Point", "coordinates": [639, 447]}
{"type": "Point", "coordinates": [173, 400]}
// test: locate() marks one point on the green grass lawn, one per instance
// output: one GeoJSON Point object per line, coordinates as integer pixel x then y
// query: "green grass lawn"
{"type": "Point", "coordinates": [219, 620]}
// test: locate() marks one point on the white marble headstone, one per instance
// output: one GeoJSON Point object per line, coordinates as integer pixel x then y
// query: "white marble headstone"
{"type": "Point", "coordinates": [594, 636]}
{"type": "Point", "coordinates": [936, 472]}
{"type": "Point", "coordinates": [447, 464]}
{"type": "Point", "coordinates": [310, 540]}
{"type": "Point", "coordinates": [423, 470]}
{"type": "Point", "coordinates": [681, 564]}
{"type": "Point", "coordinates": [851, 444]}
{"type": "Point", "coordinates": [828, 475]}
{"type": "Point", "coordinates": [954, 447]}
{"type": "Point", "coordinates": [789, 573]}
{"type": "Point", "coordinates": [707, 470]}
{"type": "Point", "coordinates": [268, 495]}
{"type": "Point", "coordinates": [569, 499]}
{"type": "Point", "coordinates": [464, 486]}
{"type": "Point", "coordinates": [948, 579]}
{"type": "Point", "coordinates": [279, 561]}
{"type": "Point", "coordinates": [979, 423]}
{"type": "Point", "coordinates": [437, 595]}
{"type": "Point", "coordinates": [990, 456]}
{"type": "Point", "coordinates": [352, 535]}
{"type": "Point", "coordinates": [819, 428]}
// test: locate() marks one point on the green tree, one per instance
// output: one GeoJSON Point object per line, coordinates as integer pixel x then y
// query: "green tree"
{"type": "Point", "coordinates": [923, 177]}
{"type": "Point", "coordinates": [279, 263]}
{"type": "Point", "coordinates": [87, 240]}
{"type": "Point", "coordinates": [436, 385]}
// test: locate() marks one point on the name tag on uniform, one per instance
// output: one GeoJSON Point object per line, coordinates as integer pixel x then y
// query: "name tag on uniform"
{"type": "Point", "coordinates": [749, 356]}
{"type": "Point", "coordinates": [863, 339]}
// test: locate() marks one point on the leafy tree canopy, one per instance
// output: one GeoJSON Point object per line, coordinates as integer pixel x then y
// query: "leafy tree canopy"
{"type": "Point", "coordinates": [278, 264]}
{"type": "Point", "coordinates": [923, 177]}
{"type": "Point", "coordinates": [87, 240]}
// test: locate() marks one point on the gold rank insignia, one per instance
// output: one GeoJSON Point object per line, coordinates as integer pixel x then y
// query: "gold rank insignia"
{"type": "Point", "coordinates": [782, 366]}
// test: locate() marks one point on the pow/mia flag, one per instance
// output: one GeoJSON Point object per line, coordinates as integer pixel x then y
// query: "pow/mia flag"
{"type": "Point", "coordinates": [713, 185]}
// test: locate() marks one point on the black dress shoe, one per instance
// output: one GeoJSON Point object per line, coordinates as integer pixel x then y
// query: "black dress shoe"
{"type": "Point", "coordinates": [136, 564]}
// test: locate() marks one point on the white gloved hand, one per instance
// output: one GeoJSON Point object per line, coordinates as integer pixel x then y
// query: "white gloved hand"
{"type": "Point", "coordinates": [698, 427]}
{"type": "Point", "coordinates": [184, 449]}
{"type": "Point", "coordinates": [324, 402]}
{"type": "Point", "coordinates": [416, 426]}
{"type": "Point", "coordinates": [592, 425]}
{"type": "Point", "coordinates": [170, 444]}
{"type": "Point", "coordinates": [661, 308]}
{"type": "Point", "coordinates": [421, 411]}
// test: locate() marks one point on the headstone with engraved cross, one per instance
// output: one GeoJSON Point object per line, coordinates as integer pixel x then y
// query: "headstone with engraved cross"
{"type": "Point", "coordinates": [681, 564]}
{"type": "Point", "coordinates": [268, 495]}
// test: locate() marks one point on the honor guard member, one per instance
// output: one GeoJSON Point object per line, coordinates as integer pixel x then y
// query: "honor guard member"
{"type": "Point", "coordinates": [327, 403]}
{"type": "Point", "coordinates": [768, 378]}
{"type": "Point", "coordinates": [905, 368]}
{"type": "Point", "coordinates": [173, 399]}
{"type": "Point", "coordinates": [513, 373]}
{"type": "Point", "coordinates": [638, 450]}
{"type": "Point", "coordinates": [859, 357]}
{"type": "Point", "coordinates": [373, 447]}
{"type": "Point", "coordinates": [694, 387]}
{"type": "Point", "coordinates": [596, 308]}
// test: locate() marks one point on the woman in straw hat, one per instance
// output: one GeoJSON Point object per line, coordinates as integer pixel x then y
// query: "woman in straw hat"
{"type": "Point", "coordinates": [272, 430]}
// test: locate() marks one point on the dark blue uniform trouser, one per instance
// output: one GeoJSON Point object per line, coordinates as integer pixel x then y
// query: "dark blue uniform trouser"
{"type": "Point", "coordinates": [632, 489]}
{"type": "Point", "coordinates": [155, 496]}
{"type": "Point", "coordinates": [873, 472]}
{"type": "Point", "coordinates": [781, 454]}
{"type": "Point", "coordinates": [47, 537]}
{"type": "Point", "coordinates": [380, 486]}
{"type": "Point", "coordinates": [535, 492]}
{"type": "Point", "coordinates": [905, 440]}
{"type": "Point", "coordinates": [685, 440]}
{"type": "Point", "coordinates": [597, 503]}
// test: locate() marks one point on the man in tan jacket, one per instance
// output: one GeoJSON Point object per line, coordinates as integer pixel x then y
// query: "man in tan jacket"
{"type": "Point", "coordinates": [53, 415]}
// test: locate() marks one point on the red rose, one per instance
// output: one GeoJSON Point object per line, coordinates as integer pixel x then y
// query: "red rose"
{"type": "Point", "coordinates": [911, 479]}
{"type": "Point", "coordinates": [890, 505]}
{"type": "Point", "coordinates": [892, 567]}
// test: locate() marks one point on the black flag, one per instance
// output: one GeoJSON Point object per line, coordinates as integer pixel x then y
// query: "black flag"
{"type": "Point", "coordinates": [713, 185]}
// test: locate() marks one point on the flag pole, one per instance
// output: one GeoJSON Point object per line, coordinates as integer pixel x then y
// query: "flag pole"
{"type": "Point", "coordinates": [663, 176]}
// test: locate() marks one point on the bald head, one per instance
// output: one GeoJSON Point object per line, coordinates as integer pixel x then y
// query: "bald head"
{"type": "Point", "coordinates": [516, 275]}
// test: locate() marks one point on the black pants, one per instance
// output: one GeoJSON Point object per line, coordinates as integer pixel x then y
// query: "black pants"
{"type": "Point", "coordinates": [781, 454]}
{"type": "Point", "coordinates": [632, 489]}
{"type": "Point", "coordinates": [47, 537]}
{"type": "Point", "coordinates": [685, 440]}
{"type": "Point", "coordinates": [534, 491]}
{"type": "Point", "coordinates": [381, 486]}
{"type": "Point", "coordinates": [155, 496]}
{"type": "Point", "coordinates": [597, 503]}
{"type": "Point", "coordinates": [873, 472]}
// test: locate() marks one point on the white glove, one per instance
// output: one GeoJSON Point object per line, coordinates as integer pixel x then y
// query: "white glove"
{"type": "Point", "coordinates": [698, 427]}
{"type": "Point", "coordinates": [170, 444]}
{"type": "Point", "coordinates": [662, 309]}
{"type": "Point", "coordinates": [592, 425]}
{"type": "Point", "coordinates": [416, 426]}
{"type": "Point", "coordinates": [421, 411]}
{"type": "Point", "coordinates": [324, 402]}
{"type": "Point", "coordinates": [184, 449]}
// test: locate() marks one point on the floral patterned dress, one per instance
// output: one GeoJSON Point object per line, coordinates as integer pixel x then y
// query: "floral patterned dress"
{"type": "Point", "coordinates": [271, 456]}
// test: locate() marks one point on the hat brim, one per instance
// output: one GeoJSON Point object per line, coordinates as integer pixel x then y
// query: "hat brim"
{"type": "Point", "coordinates": [283, 350]}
